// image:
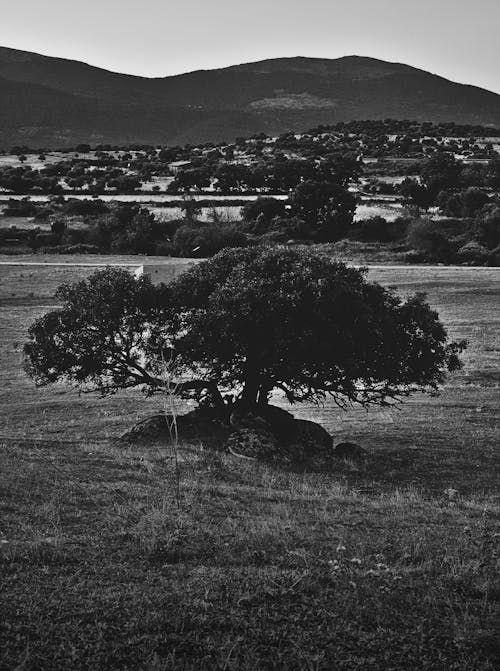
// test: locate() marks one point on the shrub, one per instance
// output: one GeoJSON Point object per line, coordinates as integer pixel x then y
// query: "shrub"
{"type": "Point", "coordinates": [20, 208]}
{"type": "Point", "coordinates": [77, 249]}
{"type": "Point", "coordinates": [171, 226]}
{"type": "Point", "coordinates": [266, 206]}
{"type": "Point", "coordinates": [273, 238]}
{"type": "Point", "coordinates": [494, 259]}
{"type": "Point", "coordinates": [91, 207]}
{"type": "Point", "coordinates": [164, 249]}
{"type": "Point", "coordinates": [206, 240]}
{"type": "Point", "coordinates": [326, 207]}
{"type": "Point", "coordinates": [378, 229]}
{"type": "Point", "coordinates": [487, 229]}
{"type": "Point", "coordinates": [473, 254]}
{"type": "Point", "coordinates": [426, 236]}
{"type": "Point", "coordinates": [414, 256]}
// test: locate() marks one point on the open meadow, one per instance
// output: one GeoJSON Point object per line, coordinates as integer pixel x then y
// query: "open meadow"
{"type": "Point", "coordinates": [393, 565]}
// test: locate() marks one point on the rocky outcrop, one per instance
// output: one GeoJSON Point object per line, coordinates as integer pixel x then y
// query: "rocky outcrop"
{"type": "Point", "coordinates": [252, 444]}
{"type": "Point", "coordinates": [202, 424]}
{"type": "Point", "coordinates": [270, 433]}
{"type": "Point", "coordinates": [266, 433]}
{"type": "Point", "coordinates": [264, 418]}
{"type": "Point", "coordinates": [350, 452]}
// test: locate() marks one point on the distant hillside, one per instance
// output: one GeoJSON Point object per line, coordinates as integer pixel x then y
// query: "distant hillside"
{"type": "Point", "coordinates": [57, 102]}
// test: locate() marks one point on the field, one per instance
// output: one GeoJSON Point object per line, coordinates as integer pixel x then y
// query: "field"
{"type": "Point", "coordinates": [390, 566]}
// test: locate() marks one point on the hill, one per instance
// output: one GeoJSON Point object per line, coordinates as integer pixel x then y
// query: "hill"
{"type": "Point", "coordinates": [58, 102]}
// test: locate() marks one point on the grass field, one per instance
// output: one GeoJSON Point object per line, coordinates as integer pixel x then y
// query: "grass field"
{"type": "Point", "coordinates": [373, 568]}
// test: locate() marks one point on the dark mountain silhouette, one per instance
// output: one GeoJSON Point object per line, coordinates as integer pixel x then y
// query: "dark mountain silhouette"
{"type": "Point", "coordinates": [56, 102]}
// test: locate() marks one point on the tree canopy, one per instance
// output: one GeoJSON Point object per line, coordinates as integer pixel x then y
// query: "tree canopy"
{"type": "Point", "coordinates": [326, 207]}
{"type": "Point", "coordinates": [241, 325]}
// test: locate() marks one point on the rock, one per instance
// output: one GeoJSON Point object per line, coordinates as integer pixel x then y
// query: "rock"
{"type": "Point", "coordinates": [253, 444]}
{"type": "Point", "coordinates": [350, 451]}
{"type": "Point", "coordinates": [242, 419]}
{"type": "Point", "coordinates": [451, 494]}
{"type": "Point", "coordinates": [281, 423]}
{"type": "Point", "coordinates": [147, 429]}
{"type": "Point", "coordinates": [273, 434]}
{"type": "Point", "coordinates": [202, 424]}
{"type": "Point", "coordinates": [269, 434]}
{"type": "Point", "coordinates": [313, 434]}
{"type": "Point", "coordinates": [311, 446]}
{"type": "Point", "coordinates": [473, 253]}
{"type": "Point", "coordinates": [264, 418]}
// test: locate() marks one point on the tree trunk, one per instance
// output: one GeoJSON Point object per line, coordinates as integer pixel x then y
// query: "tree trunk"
{"type": "Point", "coordinates": [263, 397]}
{"type": "Point", "coordinates": [217, 398]}
{"type": "Point", "coordinates": [250, 388]}
{"type": "Point", "coordinates": [249, 395]}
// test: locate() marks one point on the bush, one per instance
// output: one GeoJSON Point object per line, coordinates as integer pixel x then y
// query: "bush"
{"type": "Point", "coordinates": [19, 250]}
{"type": "Point", "coordinates": [273, 238]}
{"type": "Point", "coordinates": [466, 204]}
{"type": "Point", "coordinates": [414, 256]}
{"type": "Point", "coordinates": [326, 207]}
{"type": "Point", "coordinates": [77, 249]}
{"type": "Point", "coordinates": [206, 240]}
{"type": "Point", "coordinates": [164, 249]}
{"type": "Point", "coordinates": [487, 229]}
{"type": "Point", "coordinates": [264, 207]}
{"type": "Point", "coordinates": [85, 207]}
{"type": "Point", "coordinates": [426, 236]}
{"type": "Point", "coordinates": [20, 208]}
{"type": "Point", "coordinates": [494, 259]}
{"type": "Point", "coordinates": [46, 240]}
{"type": "Point", "coordinates": [378, 229]}
{"type": "Point", "coordinates": [473, 254]}
{"type": "Point", "coordinates": [171, 226]}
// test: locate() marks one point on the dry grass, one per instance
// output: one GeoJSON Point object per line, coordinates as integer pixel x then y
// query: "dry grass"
{"type": "Point", "coordinates": [374, 568]}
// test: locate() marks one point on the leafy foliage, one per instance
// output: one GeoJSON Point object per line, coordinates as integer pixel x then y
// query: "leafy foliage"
{"type": "Point", "coordinates": [326, 207]}
{"type": "Point", "coordinates": [243, 324]}
{"type": "Point", "coordinates": [98, 337]}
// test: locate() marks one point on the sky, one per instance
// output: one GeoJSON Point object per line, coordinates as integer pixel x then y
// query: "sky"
{"type": "Point", "coordinates": [457, 39]}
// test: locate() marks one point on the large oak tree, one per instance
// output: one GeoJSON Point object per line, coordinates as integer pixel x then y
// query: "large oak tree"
{"type": "Point", "coordinates": [242, 325]}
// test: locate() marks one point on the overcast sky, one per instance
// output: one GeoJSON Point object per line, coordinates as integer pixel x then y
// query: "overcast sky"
{"type": "Point", "coordinates": [458, 39]}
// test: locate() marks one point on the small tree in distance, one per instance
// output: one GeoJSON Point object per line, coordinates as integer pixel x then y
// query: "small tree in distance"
{"type": "Point", "coordinates": [326, 207]}
{"type": "Point", "coordinates": [241, 325]}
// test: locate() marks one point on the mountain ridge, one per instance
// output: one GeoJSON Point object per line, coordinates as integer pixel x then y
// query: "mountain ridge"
{"type": "Point", "coordinates": [88, 103]}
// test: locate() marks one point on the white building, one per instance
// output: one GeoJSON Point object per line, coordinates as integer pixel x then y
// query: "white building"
{"type": "Point", "coordinates": [166, 271]}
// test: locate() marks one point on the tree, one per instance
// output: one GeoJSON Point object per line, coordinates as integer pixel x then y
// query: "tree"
{"type": "Point", "coordinates": [473, 200]}
{"type": "Point", "coordinates": [127, 228]}
{"type": "Point", "coordinates": [287, 173]}
{"type": "Point", "coordinates": [326, 207]}
{"type": "Point", "coordinates": [427, 236]}
{"type": "Point", "coordinates": [206, 239]}
{"type": "Point", "coordinates": [416, 194]}
{"type": "Point", "coordinates": [494, 173]}
{"type": "Point", "coordinates": [57, 228]}
{"type": "Point", "coordinates": [231, 177]}
{"type": "Point", "coordinates": [267, 206]}
{"type": "Point", "coordinates": [190, 178]}
{"type": "Point", "coordinates": [440, 173]}
{"type": "Point", "coordinates": [243, 324]}
{"type": "Point", "coordinates": [191, 209]}
{"type": "Point", "coordinates": [125, 184]}
{"type": "Point", "coordinates": [487, 228]}
{"type": "Point", "coordinates": [340, 168]}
